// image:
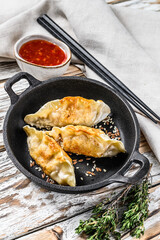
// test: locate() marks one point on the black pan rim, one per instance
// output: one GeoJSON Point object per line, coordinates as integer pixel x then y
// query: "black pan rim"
{"type": "Point", "coordinates": [56, 187]}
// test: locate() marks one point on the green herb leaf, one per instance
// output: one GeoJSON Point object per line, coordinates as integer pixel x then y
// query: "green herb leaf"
{"type": "Point", "coordinates": [107, 217]}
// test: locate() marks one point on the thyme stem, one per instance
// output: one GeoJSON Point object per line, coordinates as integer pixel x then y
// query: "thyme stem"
{"type": "Point", "coordinates": [107, 221]}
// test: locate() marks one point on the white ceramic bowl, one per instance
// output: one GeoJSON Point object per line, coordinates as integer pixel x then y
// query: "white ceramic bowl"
{"type": "Point", "coordinates": [42, 72]}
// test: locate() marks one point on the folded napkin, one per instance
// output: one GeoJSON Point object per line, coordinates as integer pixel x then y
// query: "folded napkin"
{"type": "Point", "coordinates": [125, 40]}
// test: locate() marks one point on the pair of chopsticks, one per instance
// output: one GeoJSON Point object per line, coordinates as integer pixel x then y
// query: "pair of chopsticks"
{"type": "Point", "coordinates": [96, 66]}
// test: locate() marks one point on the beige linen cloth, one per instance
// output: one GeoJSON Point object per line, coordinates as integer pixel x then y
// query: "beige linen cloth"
{"type": "Point", "coordinates": [126, 41]}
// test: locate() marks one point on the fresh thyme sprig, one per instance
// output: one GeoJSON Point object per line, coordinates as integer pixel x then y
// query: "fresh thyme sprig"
{"type": "Point", "coordinates": [101, 225]}
{"type": "Point", "coordinates": [107, 221]}
{"type": "Point", "coordinates": [137, 209]}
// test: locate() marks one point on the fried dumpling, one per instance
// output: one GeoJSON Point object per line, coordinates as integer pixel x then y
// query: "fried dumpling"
{"type": "Point", "coordinates": [50, 157]}
{"type": "Point", "coordinates": [87, 141]}
{"type": "Point", "coordinates": [69, 111]}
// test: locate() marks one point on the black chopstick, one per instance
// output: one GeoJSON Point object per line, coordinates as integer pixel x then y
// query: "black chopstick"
{"type": "Point", "coordinates": [95, 65]}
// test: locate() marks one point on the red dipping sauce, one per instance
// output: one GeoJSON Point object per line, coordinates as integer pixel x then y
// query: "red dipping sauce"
{"type": "Point", "coordinates": [42, 52]}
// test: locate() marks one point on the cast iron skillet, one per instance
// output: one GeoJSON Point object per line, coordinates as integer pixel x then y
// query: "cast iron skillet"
{"type": "Point", "coordinates": [38, 94]}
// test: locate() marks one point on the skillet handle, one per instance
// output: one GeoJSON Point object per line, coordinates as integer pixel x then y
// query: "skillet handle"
{"type": "Point", "coordinates": [143, 170]}
{"type": "Point", "coordinates": [8, 85]}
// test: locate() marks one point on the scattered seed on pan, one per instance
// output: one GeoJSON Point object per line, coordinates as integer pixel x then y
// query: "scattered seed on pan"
{"type": "Point", "coordinates": [32, 163]}
{"type": "Point", "coordinates": [51, 181]}
{"type": "Point", "coordinates": [87, 174]}
{"type": "Point", "coordinates": [48, 180]}
{"type": "Point", "coordinates": [104, 170]}
{"type": "Point", "coordinates": [113, 136]}
{"type": "Point", "coordinates": [87, 164]}
{"type": "Point", "coordinates": [93, 174]}
{"type": "Point", "coordinates": [43, 175]}
{"type": "Point", "coordinates": [38, 168]}
{"type": "Point", "coordinates": [90, 173]}
{"type": "Point", "coordinates": [93, 161]}
{"type": "Point", "coordinates": [81, 178]}
{"type": "Point", "coordinates": [77, 167]}
{"type": "Point", "coordinates": [80, 160]}
{"type": "Point", "coordinates": [92, 170]}
{"type": "Point", "coordinates": [98, 169]}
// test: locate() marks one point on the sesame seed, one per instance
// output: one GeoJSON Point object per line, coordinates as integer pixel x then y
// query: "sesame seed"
{"type": "Point", "coordinates": [43, 175]}
{"type": "Point", "coordinates": [38, 168]}
{"type": "Point", "coordinates": [104, 170]}
{"type": "Point", "coordinates": [48, 180]}
{"type": "Point", "coordinates": [32, 163]}
{"type": "Point", "coordinates": [80, 160]}
{"type": "Point", "coordinates": [51, 181]}
{"type": "Point", "coordinates": [98, 169]}
{"type": "Point", "coordinates": [87, 164]}
{"type": "Point", "coordinates": [94, 166]}
{"type": "Point", "coordinates": [81, 178]}
{"type": "Point", "coordinates": [77, 167]}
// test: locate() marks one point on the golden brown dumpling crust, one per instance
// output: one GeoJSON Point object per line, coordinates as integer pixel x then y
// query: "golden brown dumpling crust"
{"type": "Point", "coordinates": [87, 141]}
{"type": "Point", "coordinates": [50, 156]}
{"type": "Point", "coordinates": [67, 111]}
